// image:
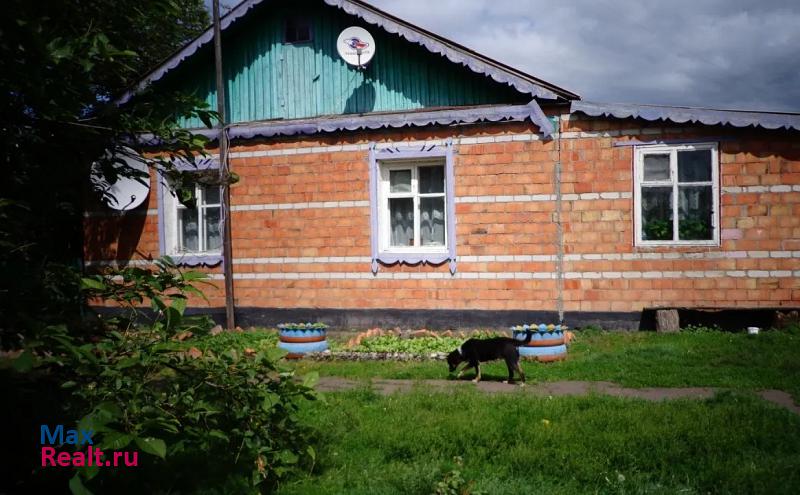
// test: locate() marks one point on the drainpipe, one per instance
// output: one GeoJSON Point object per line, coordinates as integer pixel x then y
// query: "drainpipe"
{"type": "Point", "coordinates": [559, 226]}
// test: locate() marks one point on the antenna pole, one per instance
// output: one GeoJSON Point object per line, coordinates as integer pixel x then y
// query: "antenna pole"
{"type": "Point", "coordinates": [224, 175]}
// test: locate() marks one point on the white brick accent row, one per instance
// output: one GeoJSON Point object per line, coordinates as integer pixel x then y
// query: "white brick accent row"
{"type": "Point", "coordinates": [526, 198]}
{"type": "Point", "coordinates": [507, 258]}
{"type": "Point", "coordinates": [709, 255]}
{"type": "Point", "coordinates": [780, 188]}
{"type": "Point", "coordinates": [301, 206]}
{"type": "Point", "coordinates": [521, 258]}
{"type": "Point", "coordinates": [303, 260]}
{"type": "Point", "coordinates": [510, 275]}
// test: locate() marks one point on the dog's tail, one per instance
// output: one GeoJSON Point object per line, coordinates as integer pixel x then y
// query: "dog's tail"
{"type": "Point", "coordinates": [528, 335]}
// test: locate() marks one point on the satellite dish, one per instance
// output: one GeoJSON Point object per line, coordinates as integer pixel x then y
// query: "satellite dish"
{"type": "Point", "coordinates": [356, 46]}
{"type": "Point", "coordinates": [126, 193]}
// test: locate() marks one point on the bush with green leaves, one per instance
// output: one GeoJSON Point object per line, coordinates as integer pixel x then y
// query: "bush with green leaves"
{"type": "Point", "coordinates": [214, 420]}
{"type": "Point", "coordinates": [165, 289]}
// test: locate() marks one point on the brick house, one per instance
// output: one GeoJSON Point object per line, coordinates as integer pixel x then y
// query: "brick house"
{"type": "Point", "coordinates": [437, 187]}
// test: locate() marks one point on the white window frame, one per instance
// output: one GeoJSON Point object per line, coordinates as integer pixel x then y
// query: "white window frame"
{"type": "Point", "coordinates": [672, 150]}
{"type": "Point", "coordinates": [384, 194]}
{"type": "Point", "coordinates": [172, 223]}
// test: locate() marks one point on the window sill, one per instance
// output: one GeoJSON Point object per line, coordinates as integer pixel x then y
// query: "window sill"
{"type": "Point", "coordinates": [416, 250]}
{"type": "Point", "coordinates": [196, 259]}
{"type": "Point", "coordinates": [678, 244]}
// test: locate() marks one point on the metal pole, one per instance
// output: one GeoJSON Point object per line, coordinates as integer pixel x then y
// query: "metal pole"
{"type": "Point", "coordinates": [224, 174]}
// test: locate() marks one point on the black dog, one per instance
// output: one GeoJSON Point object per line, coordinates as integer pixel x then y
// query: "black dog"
{"type": "Point", "coordinates": [475, 351]}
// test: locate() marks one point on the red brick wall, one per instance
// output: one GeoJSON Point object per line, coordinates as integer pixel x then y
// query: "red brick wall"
{"type": "Point", "coordinates": [507, 247]}
{"type": "Point", "coordinates": [760, 230]}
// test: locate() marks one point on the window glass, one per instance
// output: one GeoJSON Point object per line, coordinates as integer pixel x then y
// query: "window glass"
{"type": "Point", "coordinates": [189, 229]}
{"type": "Point", "coordinates": [400, 181]}
{"type": "Point", "coordinates": [298, 30]}
{"type": "Point", "coordinates": [401, 214]}
{"type": "Point", "coordinates": [432, 221]}
{"type": "Point", "coordinates": [677, 195]}
{"type": "Point", "coordinates": [695, 210]}
{"type": "Point", "coordinates": [413, 214]}
{"type": "Point", "coordinates": [213, 239]}
{"type": "Point", "coordinates": [694, 166]}
{"type": "Point", "coordinates": [656, 167]}
{"type": "Point", "coordinates": [211, 195]}
{"type": "Point", "coordinates": [431, 180]}
{"type": "Point", "coordinates": [198, 223]}
{"type": "Point", "coordinates": [657, 213]}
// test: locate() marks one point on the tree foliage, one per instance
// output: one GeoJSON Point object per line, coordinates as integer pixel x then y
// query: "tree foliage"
{"type": "Point", "coordinates": [62, 63]}
{"type": "Point", "coordinates": [219, 419]}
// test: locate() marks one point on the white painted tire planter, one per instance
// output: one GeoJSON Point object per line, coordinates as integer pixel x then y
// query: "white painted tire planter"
{"type": "Point", "coordinates": [547, 342]}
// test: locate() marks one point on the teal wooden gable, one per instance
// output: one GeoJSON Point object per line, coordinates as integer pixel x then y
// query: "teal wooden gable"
{"type": "Point", "coordinates": [268, 78]}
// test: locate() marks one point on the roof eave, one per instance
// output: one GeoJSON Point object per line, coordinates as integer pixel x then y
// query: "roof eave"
{"type": "Point", "coordinates": [681, 115]}
{"type": "Point", "coordinates": [454, 52]}
{"type": "Point", "coordinates": [384, 120]}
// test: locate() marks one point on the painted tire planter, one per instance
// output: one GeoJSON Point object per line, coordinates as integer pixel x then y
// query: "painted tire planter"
{"type": "Point", "coordinates": [299, 339]}
{"type": "Point", "coordinates": [547, 342]}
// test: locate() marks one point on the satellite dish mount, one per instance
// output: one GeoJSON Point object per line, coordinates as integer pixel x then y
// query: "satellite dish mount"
{"type": "Point", "coordinates": [356, 47]}
{"type": "Point", "coordinates": [126, 193]}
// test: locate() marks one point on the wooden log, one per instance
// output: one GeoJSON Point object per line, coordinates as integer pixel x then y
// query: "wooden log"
{"type": "Point", "coordinates": [667, 320]}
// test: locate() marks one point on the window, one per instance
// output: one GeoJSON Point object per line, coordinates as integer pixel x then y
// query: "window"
{"type": "Point", "coordinates": [412, 209]}
{"type": "Point", "coordinates": [676, 195]}
{"type": "Point", "coordinates": [297, 30]}
{"type": "Point", "coordinates": [193, 229]}
{"type": "Point", "coordinates": [412, 205]}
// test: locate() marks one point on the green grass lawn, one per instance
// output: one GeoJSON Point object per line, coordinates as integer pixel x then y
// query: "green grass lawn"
{"type": "Point", "coordinates": [516, 443]}
{"type": "Point", "coordinates": [633, 359]}
{"type": "Point", "coordinates": [410, 443]}
{"type": "Point", "coordinates": [637, 359]}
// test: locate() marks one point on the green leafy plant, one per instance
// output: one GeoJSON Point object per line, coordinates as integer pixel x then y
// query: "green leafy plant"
{"type": "Point", "coordinates": [302, 326]}
{"type": "Point", "coordinates": [694, 228]}
{"type": "Point", "coordinates": [418, 345]}
{"type": "Point", "coordinates": [657, 230]}
{"type": "Point", "coordinates": [244, 341]}
{"type": "Point", "coordinates": [218, 417]}
{"type": "Point", "coordinates": [165, 289]}
{"type": "Point", "coordinates": [204, 417]}
{"type": "Point", "coordinates": [454, 483]}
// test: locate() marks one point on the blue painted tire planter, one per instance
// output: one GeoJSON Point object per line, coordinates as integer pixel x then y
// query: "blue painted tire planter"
{"type": "Point", "coordinates": [547, 342]}
{"type": "Point", "coordinates": [299, 339]}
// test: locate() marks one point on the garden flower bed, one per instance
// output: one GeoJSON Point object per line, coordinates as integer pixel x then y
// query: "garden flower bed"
{"type": "Point", "coordinates": [394, 345]}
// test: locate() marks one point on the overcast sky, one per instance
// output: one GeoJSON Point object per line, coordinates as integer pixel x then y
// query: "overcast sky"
{"type": "Point", "coordinates": [710, 53]}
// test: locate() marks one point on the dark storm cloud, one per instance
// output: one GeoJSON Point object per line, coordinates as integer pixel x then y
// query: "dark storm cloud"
{"type": "Point", "coordinates": [712, 53]}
